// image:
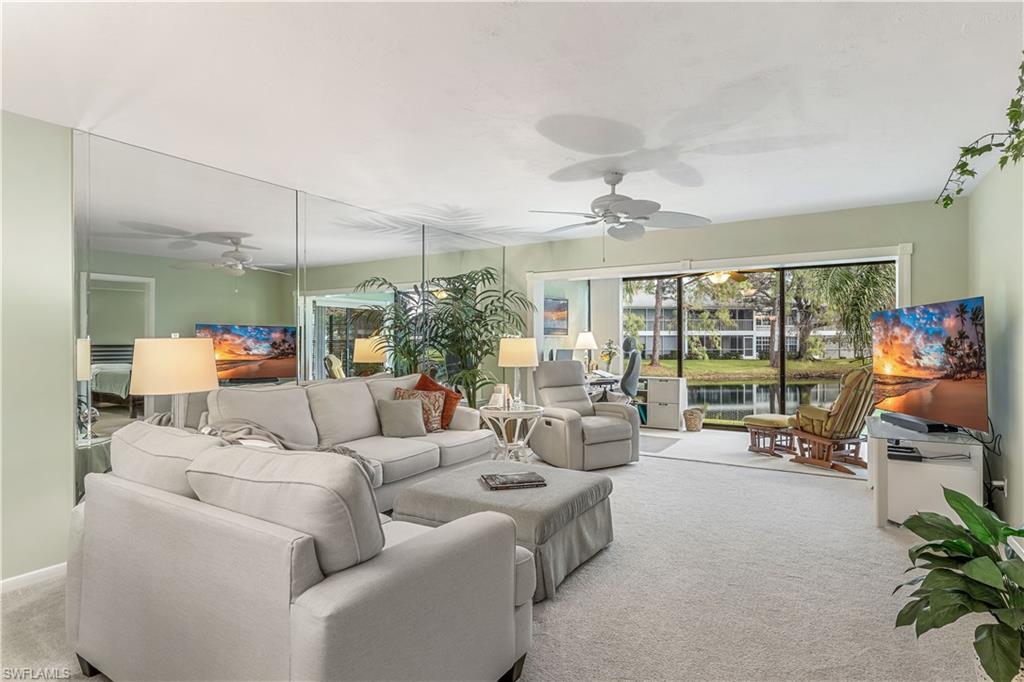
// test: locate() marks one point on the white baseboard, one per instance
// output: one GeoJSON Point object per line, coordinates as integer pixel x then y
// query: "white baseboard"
{"type": "Point", "coordinates": [32, 577]}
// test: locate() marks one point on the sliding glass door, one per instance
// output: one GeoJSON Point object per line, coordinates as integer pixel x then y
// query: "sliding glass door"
{"type": "Point", "coordinates": [830, 309]}
{"type": "Point", "coordinates": [757, 341]}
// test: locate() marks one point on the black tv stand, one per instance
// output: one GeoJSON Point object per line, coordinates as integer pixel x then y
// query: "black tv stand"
{"type": "Point", "coordinates": [905, 421]}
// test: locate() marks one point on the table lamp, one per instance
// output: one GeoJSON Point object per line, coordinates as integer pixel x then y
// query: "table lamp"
{"type": "Point", "coordinates": [173, 367]}
{"type": "Point", "coordinates": [83, 359]}
{"type": "Point", "coordinates": [370, 351]}
{"type": "Point", "coordinates": [586, 341]}
{"type": "Point", "coordinates": [517, 353]}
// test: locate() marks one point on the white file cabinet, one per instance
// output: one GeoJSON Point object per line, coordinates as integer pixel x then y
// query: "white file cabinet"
{"type": "Point", "coordinates": [666, 400]}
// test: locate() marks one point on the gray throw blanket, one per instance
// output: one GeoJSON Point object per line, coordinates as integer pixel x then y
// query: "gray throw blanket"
{"type": "Point", "coordinates": [234, 431]}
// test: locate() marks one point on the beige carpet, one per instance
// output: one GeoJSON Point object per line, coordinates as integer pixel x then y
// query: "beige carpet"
{"type": "Point", "coordinates": [730, 448]}
{"type": "Point", "coordinates": [716, 573]}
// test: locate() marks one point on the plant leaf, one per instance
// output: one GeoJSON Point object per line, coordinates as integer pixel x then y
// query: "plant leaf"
{"type": "Point", "coordinates": [1014, 570]}
{"type": "Point", "coordinates": [998, 647]}
{"type": "Point", "coordinates": [983, 524]}
{"type": "Point", "coordinates": [945, 579]}
{"type": "Point", "coordinates": [985, 571]}
{"type": "Point", "coordinates": [908, 614]}
{"type": "Point", "coordinates": [1013, 617]}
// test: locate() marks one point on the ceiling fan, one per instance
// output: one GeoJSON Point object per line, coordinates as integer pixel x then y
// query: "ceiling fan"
{"type": "Point", "coordinates": [234, 262]}
{"type": "Point", "coordinates": [627, 218]}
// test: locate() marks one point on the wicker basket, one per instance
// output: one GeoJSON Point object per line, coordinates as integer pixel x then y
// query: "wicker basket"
{"type": "Point", "coordinates": [693, 418]}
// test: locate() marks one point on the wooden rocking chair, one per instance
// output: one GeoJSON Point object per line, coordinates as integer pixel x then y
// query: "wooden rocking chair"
{"type": "Point", "coordinates": [830, 437]}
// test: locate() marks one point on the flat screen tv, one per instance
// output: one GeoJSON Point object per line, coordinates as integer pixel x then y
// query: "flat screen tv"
{"type": "Point", "coordinates": [929, 362]}
{"type": "Point", "coordinates": [252, 352]}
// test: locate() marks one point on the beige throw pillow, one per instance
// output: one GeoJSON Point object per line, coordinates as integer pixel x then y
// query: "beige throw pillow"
{"type": "Point", "coordinates": [401, 418]}
{"type": "Point", "coordinates": [433, 405]}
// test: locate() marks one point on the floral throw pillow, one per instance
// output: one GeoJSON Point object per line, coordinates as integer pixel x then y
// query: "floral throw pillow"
{"type": "Point", "coordinates": [433, 405]}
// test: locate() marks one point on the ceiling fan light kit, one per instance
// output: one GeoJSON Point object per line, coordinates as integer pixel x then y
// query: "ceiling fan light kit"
{"type": "Point", "coordinates": [624, 217]}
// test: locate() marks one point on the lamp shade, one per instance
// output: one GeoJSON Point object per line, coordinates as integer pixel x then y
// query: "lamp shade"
{"type": "Point", "coordinates": [173, 366]}
{"type": "Point", "coordinates": [369, 350]}
{"type": "Point", "coordinates": [517, 352]}
{"type": "Point", "coordinates": [83, 359]}
{"type": "Point", "coordinates": [585, 341]}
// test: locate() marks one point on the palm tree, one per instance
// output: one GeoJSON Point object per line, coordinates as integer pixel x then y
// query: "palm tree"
{"type": "Point", "coordinates": [854, 292]}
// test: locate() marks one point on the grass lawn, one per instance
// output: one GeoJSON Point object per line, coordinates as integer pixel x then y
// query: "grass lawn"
{"type": "Point", "coordinates": [725, 371]}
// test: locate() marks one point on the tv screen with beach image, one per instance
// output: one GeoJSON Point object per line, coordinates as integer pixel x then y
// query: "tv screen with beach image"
{"type": "Point", "coordinates": [252, 351]}
{"type": "Point", "coordinates": [929, 362]}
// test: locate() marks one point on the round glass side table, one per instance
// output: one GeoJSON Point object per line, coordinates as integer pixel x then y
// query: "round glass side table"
{"type": "Point", "coordinates": [513, 428]}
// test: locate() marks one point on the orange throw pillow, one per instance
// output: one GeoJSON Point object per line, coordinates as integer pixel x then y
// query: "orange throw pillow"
{"type": "Point", "coordinates": [451, 398]}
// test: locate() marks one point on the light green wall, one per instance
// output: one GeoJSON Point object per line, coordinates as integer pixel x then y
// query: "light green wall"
{"type": "Point", "coordinates": [577, 293]}
{"type": "Point", "coordinates": [37, 399]}
{"type": "Point", "coordinates": [995, 253]}
{"type": "Point", "coordinates": [117, 312]}
{"type": "Point", "coordinates": [185, 297]}
{"type": "Point", "coordinates": [939, 238]}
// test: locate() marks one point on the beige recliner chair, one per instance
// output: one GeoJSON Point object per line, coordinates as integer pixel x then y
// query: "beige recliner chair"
{"type": "Point", "coordinates": [575, 433]}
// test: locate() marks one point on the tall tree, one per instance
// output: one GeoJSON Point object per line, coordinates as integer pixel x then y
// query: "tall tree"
{"type": "Point", "coordinates": [808, 307]}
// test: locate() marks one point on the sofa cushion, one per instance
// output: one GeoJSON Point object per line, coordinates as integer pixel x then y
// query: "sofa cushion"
{"type": "Point", "coordinates": [401, 418]}
{"type": "Point", "coordinates": [399, 457]}
{"type": "Point", "coordinates": [384, 388]}
{"type": "Point", "coordinates": [458, 446]}
{"type": "Point", "coordinates": [342, 411]}
{"type": "Point", "coordinates": [283, 410]}
{"type": "Point", "coordinates": [605, 429]}
{"type": "Point", "coordinates": [324, 495]}
{"type": "Point", "coordinates": [397, 532]}
{"type": "Point", "coordinates": [157, 456]}
{"type": "Point", "coordinates": [451, 398]}
{"type": "Point", "coordinates": [431, 405]}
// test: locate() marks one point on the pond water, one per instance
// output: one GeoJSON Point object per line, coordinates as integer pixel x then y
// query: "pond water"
{"type": "Point", "coordinates": [732, 402]}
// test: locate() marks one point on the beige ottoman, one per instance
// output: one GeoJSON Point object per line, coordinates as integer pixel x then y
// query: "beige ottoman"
{"type": "Point", "coordinates": [563, 524]}
{"type": "Point", "coordinates": [770, 434]}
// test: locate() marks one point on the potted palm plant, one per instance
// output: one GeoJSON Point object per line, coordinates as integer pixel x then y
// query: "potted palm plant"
{"type": "Point", "coordinates": [968, 569]}
{"type": "Point", "coordinates": [453, 323]}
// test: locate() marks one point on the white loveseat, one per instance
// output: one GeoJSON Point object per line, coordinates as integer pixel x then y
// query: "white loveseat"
{"type": "Point", "coordinates": [198, 560]}
{"type": "Point", "coordinates": [344, 412]}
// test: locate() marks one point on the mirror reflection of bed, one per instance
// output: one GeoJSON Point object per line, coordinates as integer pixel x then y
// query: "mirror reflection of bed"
{"type": "Point", "coordinates": [110, 370]}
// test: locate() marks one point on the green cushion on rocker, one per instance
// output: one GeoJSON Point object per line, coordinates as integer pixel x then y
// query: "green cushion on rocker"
{"type": "Point", "coordinates": [775, 421]}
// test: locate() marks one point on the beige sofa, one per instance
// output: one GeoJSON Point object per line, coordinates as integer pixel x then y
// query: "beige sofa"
{"type": "Point", "coordinates": [343, 412]}
{"type": "Point", "coordinates": [198, 560]}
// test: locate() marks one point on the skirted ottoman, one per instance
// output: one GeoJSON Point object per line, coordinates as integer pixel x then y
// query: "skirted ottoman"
{"type": "Point", "coordinates": [563, 524]}
{"type": "Point", "coordinates": [770, 434]}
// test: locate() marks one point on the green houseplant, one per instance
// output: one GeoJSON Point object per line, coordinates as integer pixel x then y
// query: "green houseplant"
{"type": "Point", "coordinates": [1008, 143]}
{"type": "Point", "coordinates": [456, 320]}
{"type": "Point", "coordinates": [968, 569]}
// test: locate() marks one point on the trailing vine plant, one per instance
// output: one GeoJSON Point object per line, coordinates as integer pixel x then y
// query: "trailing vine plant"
{"type": "Point", "coordinates": [1010, 143]}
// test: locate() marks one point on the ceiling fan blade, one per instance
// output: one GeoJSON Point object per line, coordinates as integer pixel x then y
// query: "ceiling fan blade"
{"type": "Point", "coordinates": [626, 232]}
{"type": "Point", "coordinates": [635, 208]}
{"type": "Point", "coordinates": [262, 269]}
{"type": "Point", "coordinates": [675, 220]}
{"type": "Point", "coordinates": [224, 239]}
{"type": "Point", "coordinates": [590, 134]}
{"type": "Point", "coordinates": [584, 215]}
{"type": "Point", "coordinates": [738, 276]}
{"type": "Point", "coordinates": [682, 174]}
{"type": "Point", "coordinates": [566, 228]}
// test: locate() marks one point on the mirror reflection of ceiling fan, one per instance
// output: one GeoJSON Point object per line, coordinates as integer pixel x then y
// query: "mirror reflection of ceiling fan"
{"type": "Point", "coordinates": [626, 218]}
{"type": "Point", "coordinates": [233, 262]}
